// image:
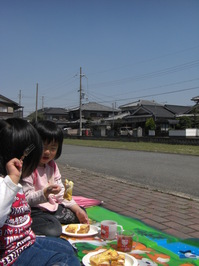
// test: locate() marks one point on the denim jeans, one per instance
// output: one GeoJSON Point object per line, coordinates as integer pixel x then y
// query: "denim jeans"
{"type": "Point", "coordinates": [48, 251]}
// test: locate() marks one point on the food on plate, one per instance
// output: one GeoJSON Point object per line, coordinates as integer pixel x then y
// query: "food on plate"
{"type": "Point", "coordinates": [77, 228]}
{"type": "Point", "coordinates": [84, 229]}
{"type": "Point", "coordinates": [72, 228]}
{"type": "Point", "coordinates": [108, 257]}
{"type": "Point", "coordinates": [68, 189]}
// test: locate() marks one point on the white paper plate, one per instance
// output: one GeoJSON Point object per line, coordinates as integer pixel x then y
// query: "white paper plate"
{"type": "Point", "coordinates": [129, 260]}
{"type": "Point", "coordinates": [93, 231]}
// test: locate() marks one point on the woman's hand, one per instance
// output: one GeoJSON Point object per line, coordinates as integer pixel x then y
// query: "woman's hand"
{"type": "Point", "coordinates": [14, 169]}
{"type": "Point", "coordinates": [52, 189]}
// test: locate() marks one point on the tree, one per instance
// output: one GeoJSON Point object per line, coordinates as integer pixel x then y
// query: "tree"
{"type": "Point", "coordinates": [150, 124]}
{"type": "Point", "coordinates": [195, 119]}
{"type": "Point", "coordinates": [184, 122]}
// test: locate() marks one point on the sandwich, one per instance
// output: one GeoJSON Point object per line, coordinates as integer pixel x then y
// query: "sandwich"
{"type": "Point", "coordinates": [84, 228]}
{"type": "Point", "coordinates": [109, 257]}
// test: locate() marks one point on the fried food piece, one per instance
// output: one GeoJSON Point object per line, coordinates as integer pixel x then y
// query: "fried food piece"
{"type": "Point", "coordinates": [108, 257]}
{"type": "Point", "coordinates": [71, 228]}
{"type": "Point", "coordinates": [84, 228]}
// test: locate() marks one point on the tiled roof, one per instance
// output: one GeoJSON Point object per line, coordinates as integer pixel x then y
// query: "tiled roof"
{"type": "Point", "coordinates": [55, 110]}
{"type": "Point", "coordinates": [142, 107]}
{"type": "Point", "coordinates": [158, 111]}
{"type": "Point", "coordinates": [93, 106]}
{"type": "Point", "coordinates": [139, 103]}
{"type": "Point", "coordinates": [5, 100]}
{"type": "Point", "coordinates": [177, 109]}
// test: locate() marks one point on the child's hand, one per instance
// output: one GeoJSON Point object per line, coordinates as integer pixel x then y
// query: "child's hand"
{"type": "Point", "coordinates": [52, 189]}
{"type": "Point", "coordinates": [14, 168]}
{"type": "Point", "coordinates": [82, 216]}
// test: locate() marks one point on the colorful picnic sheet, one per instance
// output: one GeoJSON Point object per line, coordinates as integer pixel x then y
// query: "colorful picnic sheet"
{"type": "Point", "coordinates": [152, 248]}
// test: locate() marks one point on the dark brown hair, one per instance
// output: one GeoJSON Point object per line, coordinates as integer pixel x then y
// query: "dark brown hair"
{"type": "Point", "coordinates": [49, 132]}
{"type": "Point", "coordinates": [16, 135]}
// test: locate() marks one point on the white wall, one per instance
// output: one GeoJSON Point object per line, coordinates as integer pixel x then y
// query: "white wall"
{"type": "Point", "coordinates": [189, 132]}
{"type": "Point", "coordinates": [103, 131]}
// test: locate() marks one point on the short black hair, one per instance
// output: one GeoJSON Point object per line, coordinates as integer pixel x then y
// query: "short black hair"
{"type": "Point", "coordinates": [49, 131]}
{"type": "Point", "coordinates": [16, 134]}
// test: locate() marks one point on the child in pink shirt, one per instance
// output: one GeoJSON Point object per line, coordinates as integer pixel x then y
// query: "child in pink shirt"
{"type": "Point", "coordinates": [44, 189]}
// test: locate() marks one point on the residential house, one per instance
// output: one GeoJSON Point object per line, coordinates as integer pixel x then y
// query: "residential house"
{"type": "Point", "coordinates": [9, 108]}
{"type": "Point", "coordinates": [138, 112]}
{"type": "Point", "coordinates": [195, 99]}
{"type": "Point", "coordinates": [91, 112]}
{"type": "Point", "coordinates": [193, 113]}
{"type": "Point", "coordinates": [106, 121]}
{"type": "Point", "coordinates": [93, 115]}
{"type": "Point", "coordinates": [56, 114]}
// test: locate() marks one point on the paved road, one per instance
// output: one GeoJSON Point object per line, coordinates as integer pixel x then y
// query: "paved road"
{"type": "Point", "coordinates": [171, 173]}
{"type": "Point", "coordinates": [169, 213]}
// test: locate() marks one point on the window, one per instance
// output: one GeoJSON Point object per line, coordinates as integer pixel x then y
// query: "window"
{"type": "Point", "coordinates": [164, 127]}
{"type": "Point", "coordinates": [3, 109]}
{"type": "Point", "coordinates": [10, 110]}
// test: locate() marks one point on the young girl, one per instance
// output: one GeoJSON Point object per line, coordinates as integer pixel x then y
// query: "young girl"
{"type": "Point", "coordinates": [44, 189]}
{"type": "Point", "coordinates": [18, 243]}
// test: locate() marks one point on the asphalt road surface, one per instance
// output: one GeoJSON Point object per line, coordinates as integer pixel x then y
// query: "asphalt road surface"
{"type": "Point", "coordinates": [178, 174]}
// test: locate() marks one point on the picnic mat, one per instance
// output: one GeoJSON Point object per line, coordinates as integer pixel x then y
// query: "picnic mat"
{"type": "Point", "coordinates": [152, 248]}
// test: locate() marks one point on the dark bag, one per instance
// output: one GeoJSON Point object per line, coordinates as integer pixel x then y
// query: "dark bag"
{"type": "Point", "coordinates": [65, 215]}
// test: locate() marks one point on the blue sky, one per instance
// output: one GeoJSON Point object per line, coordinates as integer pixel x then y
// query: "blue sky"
{"type": "Point", "coordinates": [127, 49]}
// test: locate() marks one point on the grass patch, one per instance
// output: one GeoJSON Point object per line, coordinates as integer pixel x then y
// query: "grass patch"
{"type": "Point", "coordinates": [136, 146]}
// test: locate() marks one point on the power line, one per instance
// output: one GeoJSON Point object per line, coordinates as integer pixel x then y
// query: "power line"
{"type": "Point", "coordinates": [60, 85]}
{"type": "Point", "coordinates": [69, 77]}
{"type": "Point", "coordinates": [152, 95]}
{"type": "Point", "coordinates": [159, 86]}
{"type": "Point", "coordinates": [99, 95]}
{"type": "Point", "coordinates": [154, 74]}
{"type": "Point", "coordinates": [145, 61]}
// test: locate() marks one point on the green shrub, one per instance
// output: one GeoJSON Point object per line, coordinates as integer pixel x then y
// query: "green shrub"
{"type": "Point", "coordinates": [150, 124]}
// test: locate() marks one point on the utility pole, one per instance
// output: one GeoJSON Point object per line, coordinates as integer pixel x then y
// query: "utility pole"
{"type": "Point", "coordinates": [42, 103]}
{"type": "Point", "coordinates": [113, 106]}
{"type": "Point", "coordinates": [80, 104]}
{"type": "Point", "coordinates": [20, 113]}
{"type": "Point", "coordinates": [19, 97]}
{"type": "Point", "coordinates": [36, 102]}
